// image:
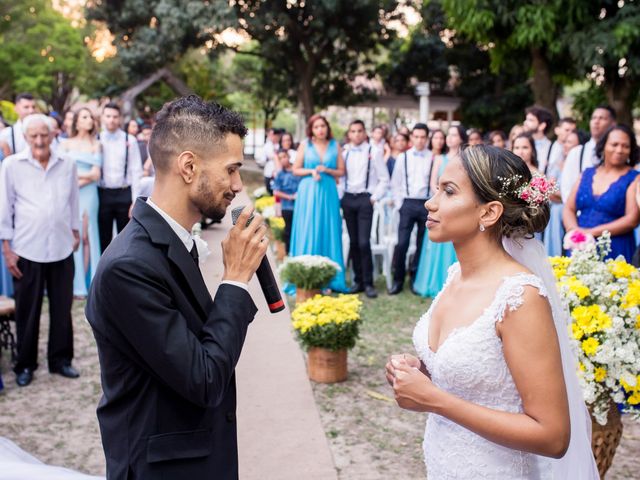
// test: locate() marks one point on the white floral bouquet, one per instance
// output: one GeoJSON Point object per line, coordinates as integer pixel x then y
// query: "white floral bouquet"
{"type": "Point", "coordinates": [260, 192]}
{"type": "Point", "coordinates": [308, 271]}
{"type": "Point", "coordinates": [603, 297]}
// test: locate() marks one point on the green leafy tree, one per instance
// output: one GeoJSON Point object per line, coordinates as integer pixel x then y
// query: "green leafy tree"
{"type": "Point", "coordinates": [522, 29]}
{"type": "Point", "coordinates": [454, 65]}
{"type": "Point", "coordinates": [322, 45]}
{"type": "Point", "coordinates": [41, 52]}
{"type": "Point", "coordinates": [152, 34]}
{"type": "Point", "coordinates": [605, 45]}
{"type": "Point", "coordinates": [266, 84]}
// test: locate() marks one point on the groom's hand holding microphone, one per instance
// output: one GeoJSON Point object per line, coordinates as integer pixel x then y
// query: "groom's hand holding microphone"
{"type": "Point", "coordinates": [244, 247]}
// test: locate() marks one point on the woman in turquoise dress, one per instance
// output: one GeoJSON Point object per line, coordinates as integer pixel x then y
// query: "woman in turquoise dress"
{"type": "Point", "coordinates": [436, 258]}
{"type": "Point", "coordinates": [603, 199]}
{"type": "Point", "coordinates": [317, 223]}
{"type": "Point", "coordinates": [83, 147]}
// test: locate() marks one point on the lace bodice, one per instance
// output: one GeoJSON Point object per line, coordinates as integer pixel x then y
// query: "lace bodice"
{"type": "Point", "coordinates": [471, 365]}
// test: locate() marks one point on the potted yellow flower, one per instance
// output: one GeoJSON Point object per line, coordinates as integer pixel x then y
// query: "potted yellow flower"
{"type": "Point", "coordinates": [327, 327]}
{"type": "Point", "coordinates": [276, 225]}
{"type": "Point", "coordinates": [603, 297]}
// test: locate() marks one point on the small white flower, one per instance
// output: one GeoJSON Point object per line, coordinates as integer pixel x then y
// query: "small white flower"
{"type": "Point", "coordinates": [203, 249]}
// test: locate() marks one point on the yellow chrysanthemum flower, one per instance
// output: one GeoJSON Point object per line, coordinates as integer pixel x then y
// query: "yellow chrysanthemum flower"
{"type": "Point", "coordinates": [590, 346]}
{"type": "Point", "coordinates": [634, 399]}
{"type": "Point", "coordinates": [577, 287]}
{"type": "Point", "coordinates": [632, 298]}
{"type": "Point", "coordinates": [620, 268]}
{"type": "Point", "coordinates": [599, 374]}
{"type": "Point", "coordinates": [264, 202]}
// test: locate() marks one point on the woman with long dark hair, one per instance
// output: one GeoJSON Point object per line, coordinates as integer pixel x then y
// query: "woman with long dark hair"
{"type": "Point", "coordinates": [317, 224]}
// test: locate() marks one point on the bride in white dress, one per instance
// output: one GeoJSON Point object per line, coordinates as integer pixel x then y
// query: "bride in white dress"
{"type": "Point", "coordinates": [495, 373]}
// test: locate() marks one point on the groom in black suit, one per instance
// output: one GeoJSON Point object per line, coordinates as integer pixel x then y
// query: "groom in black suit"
{"type": "Point", "coordinates": [167, 350]}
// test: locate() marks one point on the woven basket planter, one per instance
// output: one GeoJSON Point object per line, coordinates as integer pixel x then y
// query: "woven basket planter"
{"type": "Point", "coordinates": [605, 439]}
{"type": "Point", "coordinates": [327, 366]}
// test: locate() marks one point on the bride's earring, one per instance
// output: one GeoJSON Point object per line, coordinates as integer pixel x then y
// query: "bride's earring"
{"type": "Point", "coordinates": [482, 228]}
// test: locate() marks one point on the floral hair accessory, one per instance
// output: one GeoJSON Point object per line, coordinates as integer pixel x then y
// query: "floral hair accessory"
{"type": "Point", "coordinates": [535, 193]}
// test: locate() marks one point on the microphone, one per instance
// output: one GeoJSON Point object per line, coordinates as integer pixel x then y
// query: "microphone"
{"type": "Point", "coordinates": [264, 273]}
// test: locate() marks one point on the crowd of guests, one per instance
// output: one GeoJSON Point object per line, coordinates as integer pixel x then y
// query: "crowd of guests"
{"type": "Point", "coordinates": [597, 175]}
{"type": "Point", "coordinates": [67, 185]}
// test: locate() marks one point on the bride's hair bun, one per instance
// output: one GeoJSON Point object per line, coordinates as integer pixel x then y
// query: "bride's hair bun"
{"type": "Point", "coordinates": [497, 175]}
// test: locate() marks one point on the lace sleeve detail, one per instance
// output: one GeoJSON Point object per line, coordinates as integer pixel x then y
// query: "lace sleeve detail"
{"type": "Point", "coordinates": [511, 294]}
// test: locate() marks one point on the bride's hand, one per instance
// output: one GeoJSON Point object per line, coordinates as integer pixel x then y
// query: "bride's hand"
{"type": "Point", "coordinates": [406, 357]}
{"type": "Point", "coordinates": [413, 389]}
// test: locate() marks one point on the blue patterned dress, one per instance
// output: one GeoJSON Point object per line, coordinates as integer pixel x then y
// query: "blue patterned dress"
{"type": "Point", "coordinates": [594, 210]}
{"type": "Point", "coordinates": [317, 224]}
{"type": "Point", "coordinates": [435, 260]}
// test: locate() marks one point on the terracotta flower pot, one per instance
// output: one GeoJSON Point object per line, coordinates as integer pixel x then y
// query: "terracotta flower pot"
{"type": "Point", "coordinates": [327, 366]}
{"type": "Point", "coordinates": [302, 294]}
{"type": "Point", "coordinates": [605, 439]}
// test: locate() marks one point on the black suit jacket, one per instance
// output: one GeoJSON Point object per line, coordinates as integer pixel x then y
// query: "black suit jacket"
{"type": "Point", "coordinates": [167, 354]}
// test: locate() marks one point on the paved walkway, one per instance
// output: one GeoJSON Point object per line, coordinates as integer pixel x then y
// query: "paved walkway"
{"type": "Point", "coordinates": [279, 431]}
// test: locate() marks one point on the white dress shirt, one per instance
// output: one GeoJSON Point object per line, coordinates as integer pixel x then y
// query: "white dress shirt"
{"type": "Point", "coordinates": [413, 182]}
{"type": "Point", "coordinates": [267, 154]}
{"type": "Point", "coordinates": [542, 152]}
{"type": "Point", "coordinates": [18, 137]}
{"type": "Point", "coordinates": [358, 160]}
{"type": "Point", "coordinates": [113, 164]}
{"type": "Point", "coordinates": [39, 208]}
{"type": "Point", "coordinates": [186, 238]}
{"type": "Point", "coordinates": [573, 167]}
{"type": "Point", "coordinates": [556, 155]}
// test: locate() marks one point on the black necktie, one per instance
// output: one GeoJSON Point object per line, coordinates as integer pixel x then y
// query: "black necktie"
{"type": "Point", "coordinates": [194, 255]}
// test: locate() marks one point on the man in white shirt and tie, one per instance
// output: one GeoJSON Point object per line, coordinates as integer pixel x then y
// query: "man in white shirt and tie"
{"type": "Point", "coordinates": [12, 138]}
{"type": "Point", "coordinates": [410, 187]}
{"type": "Point", "coordinates": [121, 173]}
{"type": "Point", "coordinates": [365, 182]}
{"type": "Point", "coordinates": [538, 122]}
{"type": "Point", "coordinates": [39, 228]}
{"type": "Point", "coordinates": [584, 156]}
{"type": "Point", "coordinates": [565, 126]}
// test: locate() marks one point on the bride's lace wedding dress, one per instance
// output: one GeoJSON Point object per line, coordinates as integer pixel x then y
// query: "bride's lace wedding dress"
{"type": "Point", "coordinates": [471, 365]}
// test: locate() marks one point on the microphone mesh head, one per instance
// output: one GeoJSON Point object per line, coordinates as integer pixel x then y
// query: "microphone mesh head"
{"type": "Point", "coordinates": [235, 213]}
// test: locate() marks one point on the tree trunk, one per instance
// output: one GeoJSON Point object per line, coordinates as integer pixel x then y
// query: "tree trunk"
{"type": "Point", "coordinates": [621, 93]}
{"type": "Point", "coordinates": [545, 91]}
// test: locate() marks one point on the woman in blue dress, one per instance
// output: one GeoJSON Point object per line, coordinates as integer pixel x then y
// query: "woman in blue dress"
{"type": "Point", "coordinates": [436, 258]}
{"type": "Point", "coordinates": [84, 148]}
{"type": "Point", "coordinates": [604, 196]}
{"type": "Point", "coordinates": [317, 224]}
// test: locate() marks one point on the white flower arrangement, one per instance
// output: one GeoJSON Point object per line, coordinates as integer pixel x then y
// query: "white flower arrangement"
{"type": "Point", "coordinates": [260, 192]}
{"type": "Point", "coordinates": [308, 271]}
{"type": "Point", "coordinates": [603, 298]}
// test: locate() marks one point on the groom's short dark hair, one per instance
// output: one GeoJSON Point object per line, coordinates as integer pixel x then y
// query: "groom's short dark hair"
{"type": "Point", "coordinates": [190, 123]}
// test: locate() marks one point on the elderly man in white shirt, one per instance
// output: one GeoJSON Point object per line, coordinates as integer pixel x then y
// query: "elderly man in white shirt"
{"type": "Point", "coordinates": [121, 174]}
{"type": "Point", "coordinates": [410, 186]}
{"type": "Point", "coordinates": [39, 228]}
{"type": "Point", "coordinates": [12, 138]}
{"type": "Point", "coordinates": [584, 156]}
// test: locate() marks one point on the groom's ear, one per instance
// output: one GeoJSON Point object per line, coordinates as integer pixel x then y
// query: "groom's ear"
{"type": "Point", "coordinates": [490, 213]}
